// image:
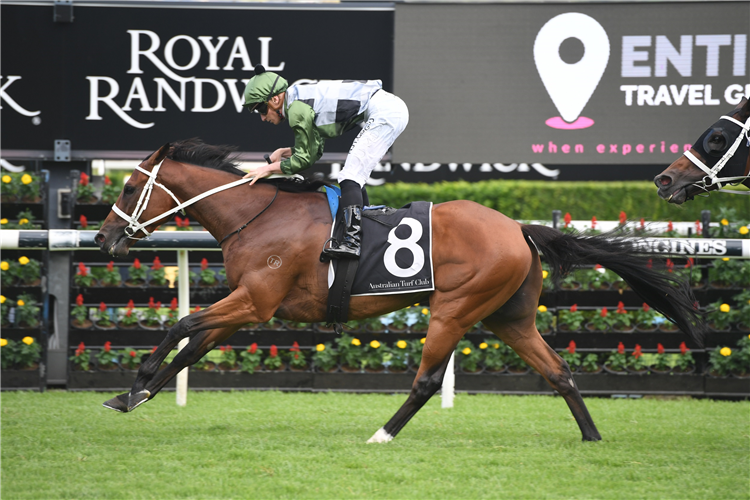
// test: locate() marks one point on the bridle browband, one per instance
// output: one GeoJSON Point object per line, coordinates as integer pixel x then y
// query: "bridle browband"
{"type": "Point", "coordinates": [711, 177]}
{"type": "Point", "coordinates": [134, 226]}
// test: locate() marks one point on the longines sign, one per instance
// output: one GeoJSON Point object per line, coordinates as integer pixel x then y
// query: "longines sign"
{"type": "Point", "coordinates": [130, 78]}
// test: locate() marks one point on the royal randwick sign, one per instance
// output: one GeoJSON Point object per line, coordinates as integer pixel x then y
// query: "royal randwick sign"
{"type": "Point", "coordinates": [130, 78]}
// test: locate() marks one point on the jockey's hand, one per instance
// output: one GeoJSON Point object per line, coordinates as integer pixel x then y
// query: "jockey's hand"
{"type": "Point", "coordinates": [262, 171]}
{"type": "Point", "coordinates": [281, 154]}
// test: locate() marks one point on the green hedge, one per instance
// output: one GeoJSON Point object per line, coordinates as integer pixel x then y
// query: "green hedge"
{"type": "Point", "coordinates": [526, 200]}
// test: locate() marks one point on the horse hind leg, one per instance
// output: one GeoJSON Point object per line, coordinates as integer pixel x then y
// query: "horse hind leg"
{"type": "Point", "coordinates": [523, 337]}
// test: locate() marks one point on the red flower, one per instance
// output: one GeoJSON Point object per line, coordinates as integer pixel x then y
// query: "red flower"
{"type": "Point", "coordinates": [81, 349]}
{"type": "Point", "coordinates": [102, 306]}
{"type": "Point", "coordinates": [646, 307]}
{"type": "Point", "coordinates": [698, 227]}
{"type": "Point", "coordinates": [131, 304]}
{"type": "Point", "coordinates": [659, 348]}
{"type": "Point", "coordinates": [229, 348]}
{"type": "Point", "coordinates": [197, 308]}
{"type": "Point", "coordinates": [178, 220]}
{"type": "Point", "coordinates": [82, 269]}
{"type": "Point", "coordinates": [129, 313]}
{"type": "Point", "coordinates": [157, 264]}
{"type": "Point", "coordinates": [296, 355]}
{"type": "Point", "coordinates": [683, 348]}
{"type": "Point", "coordinates": [650, 264]}
{"type": "Point", "coordinates": [158, 305]}
{"type": "Point", "coordinates": [690, 262]}
{"type": "Point", "coordinates": [593, 222]}
{"type": "Point", "coordinates": [670, 265]}
{"type": "Point", "coordinates": [132, 354]}
{"type": "Point", "coordinates": [637, 352]}
{"type": "Point", "coordinates": [111, 266]}
{"type": "Point", "coordinates": [295, 347]}
{"type": "Point", "coordinates": [574, 308]}
{"type": "Point", "coordinates": [621, 308]}
{"type": "Point", "coordinates": [137, 264]}
{"type": "Point", "coordinates": [84, 181]}
{"type": "Point", "coordinates": [153, 349]}
{"type": "Point", "coordinates": [173, 304]}
{"type": "Point", "coordinates": [151, 303]}
{"type": "Point", "coordinates": [572, 347]}
{"type": "Point", "coordinates": [223, 348]}
{"type": "Point", "coordinates": [107, 180]}
{"type": "Point", "coordinates": [107, 346]}
{"type": "Point", "coordinates": [623, 217]}
{"type": "Point", "coordinates": [186, 222]}
{"type": "Point", "coordinates": [274, 351]}
{"type": "Point", "coordinates": [204, 264]}
{"type": "Point", "coordinates": [598, 266]}
{"type": "Point", "coordinates": [79, 300]}
{"type": "Point", "coordinates": [84, 221]}
{"type": "Point", "coordinates": [620, 348]}
{"type": "Point", "coordinates": [253, 348]}
{"type": "Point", "coordinates": [603, 314]}
{"type": "Point", "coordinates": [567, 219]}
{"type": "Point", "coordinates": [670, 226]}
{"type": "Point", "coordinates": [643, 223]}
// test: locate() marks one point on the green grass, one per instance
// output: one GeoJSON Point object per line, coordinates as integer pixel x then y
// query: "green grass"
{"type": "Point", "coordinates": [286, 445]}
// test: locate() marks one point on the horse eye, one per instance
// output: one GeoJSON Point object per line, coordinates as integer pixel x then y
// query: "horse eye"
{"type": "Point", "coordinates": [716, 141]}
{"type": "Point", "coordinates": [129, 189]}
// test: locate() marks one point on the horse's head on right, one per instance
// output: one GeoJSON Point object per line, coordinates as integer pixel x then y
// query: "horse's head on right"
{"type": "Point", "coordinates": [138, 202]}
{"type": "Point", "coordinates": [718, 157]}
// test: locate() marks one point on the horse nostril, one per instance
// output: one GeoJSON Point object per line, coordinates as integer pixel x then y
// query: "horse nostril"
{"type": "Point", "coordinates": [99, 238]}
{"type": "Point", "coordinates": [662, 180]}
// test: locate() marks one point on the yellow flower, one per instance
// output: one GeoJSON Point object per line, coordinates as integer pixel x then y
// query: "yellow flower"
{"type": "Point", "coordinates": [421, 341]}
{"type": "Point", "coordinates": [23, 260]}
{"type": "Point", "coordinates": [23, 221]}
{"type": "Point", "coordinates": [374, 344]}
{"type": "Point", "coordinates": [744, 230]}
{"type": "Point", "coordinates": [496, 345]}
{"type": "Point", "coordinates": [6, 179]}
{"type": "Point", "coordinates": [2, 299]}
{"type": "Point", "coordinates": [27, 340]}
{"type": "Point", "coordinates": [3, 342]}
{"type": "Point", "coordinates": [415, 305]}
{"type": "Point", "coordinates": [724, 308]}
{"type": "Point", "coordinates": [725, 351]}
{"type": "Point", "coordinates": [4, 266]}
{"type": "Point", "coordinates": [320, 347]}
{"type": "Point", "coordinates": [544, 274]}
{"type": "Point", "coordinates": [401, 344]}
{"type": "Point", "coordinates": [725, 259]}
{"type": "Point", "coordinates": [542, 309]}
{"type": "Point", "coordinates": [724, 222]}
{"type": "Point", "coordinates": [356, 342]}
{"type": "Point", "coordinates": [425, 311]}
{"type": "Point", "coordinates": [483, 345]}
{"type": "Point", "coordinates": [26, 179]}
{"type": "Point", "coordinates": [466, 351]}
{"type": "Point", "coordinates": [20, 303]}
{"type": "Point", "coordinates": [3, 221]}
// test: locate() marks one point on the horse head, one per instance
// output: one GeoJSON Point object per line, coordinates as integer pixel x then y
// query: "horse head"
{"type": "Point", "coordinates": [722, 148]}
{"type": "Point", "coordinates": [138, 202]}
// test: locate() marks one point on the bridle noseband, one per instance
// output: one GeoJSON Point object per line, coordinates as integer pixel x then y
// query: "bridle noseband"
{"type": "Point", "coordinates": [712, 177]}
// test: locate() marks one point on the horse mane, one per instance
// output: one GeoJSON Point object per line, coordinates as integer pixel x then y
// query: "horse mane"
{"type": "Point", "coordinates": [196, 152]}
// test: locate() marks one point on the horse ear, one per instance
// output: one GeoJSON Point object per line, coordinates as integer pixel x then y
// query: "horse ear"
{"type": "Point", "coordinates": [744, 108]}
{"type": "Point", "coordinates": [159, 155]}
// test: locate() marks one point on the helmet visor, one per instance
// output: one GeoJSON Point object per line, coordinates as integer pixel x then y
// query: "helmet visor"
{"type": "Point", "coordinates": [259, 107]}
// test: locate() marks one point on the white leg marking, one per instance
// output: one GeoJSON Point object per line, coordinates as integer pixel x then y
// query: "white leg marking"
{"type": "Point", "coordinates": [380, 437]}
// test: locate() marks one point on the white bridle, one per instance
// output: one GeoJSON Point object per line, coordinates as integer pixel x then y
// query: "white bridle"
{"type": "Point", "coordinates": [134, 226]}
{"type": "Point", "coordinates": [712, 177]}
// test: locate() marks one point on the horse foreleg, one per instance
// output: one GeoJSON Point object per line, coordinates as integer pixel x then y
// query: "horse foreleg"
{"type": "Point", "coordinates": [524, 338]}
{"type": "Point", "coordinates": [435, 356]}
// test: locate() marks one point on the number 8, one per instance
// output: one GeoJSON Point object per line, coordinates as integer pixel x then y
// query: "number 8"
{"type": "Point", "coordinates": [410, 243]}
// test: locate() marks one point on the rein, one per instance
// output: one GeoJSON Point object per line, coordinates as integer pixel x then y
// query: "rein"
{"type": "Point", "coordinates": [237, 232]}
{"type": "Point", "coordinates": [134, 226]}
{"type": "Point", "coordinates": [712, 173]}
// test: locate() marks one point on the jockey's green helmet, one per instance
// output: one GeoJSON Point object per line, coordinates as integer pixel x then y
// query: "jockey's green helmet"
{"type": "Point", "coordinates": [262, 87]}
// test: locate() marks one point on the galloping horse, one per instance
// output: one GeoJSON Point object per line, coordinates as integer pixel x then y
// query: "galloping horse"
{"type": "Point", "coordinates": [491, 276]}
{"type": "Point", "coordinates": [724, 144]}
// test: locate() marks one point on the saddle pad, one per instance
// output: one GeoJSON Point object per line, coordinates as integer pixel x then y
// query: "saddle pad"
{"type": "Point", "coordinates": [396, 251]}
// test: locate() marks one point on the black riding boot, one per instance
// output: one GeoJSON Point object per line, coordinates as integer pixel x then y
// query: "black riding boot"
{"type": "Point", "coordinates": [349, 248]}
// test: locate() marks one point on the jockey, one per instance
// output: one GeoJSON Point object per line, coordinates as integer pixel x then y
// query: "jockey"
{"type": "Point", "coordinates": [321, 110]}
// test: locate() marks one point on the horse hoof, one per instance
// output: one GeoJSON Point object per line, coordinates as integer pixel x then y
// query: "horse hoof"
{"type": "Point", "coordinates": [118, 403]}
{"type": "Point", "coordinates": [380, 437]}
{"type": "Point", "coordinates": [137, 399]}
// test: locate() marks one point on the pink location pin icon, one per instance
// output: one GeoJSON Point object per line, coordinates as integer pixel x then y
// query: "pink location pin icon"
{"type": "Point", "coordinates": [570, 86]}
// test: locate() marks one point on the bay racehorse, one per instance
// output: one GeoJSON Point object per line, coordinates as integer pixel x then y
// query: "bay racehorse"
{"type": "Point", "coordinates": [486, 268]}
{"type": "Point", "coordinates": [718, 158]}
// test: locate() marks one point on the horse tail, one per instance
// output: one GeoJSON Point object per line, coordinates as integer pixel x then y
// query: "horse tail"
{"type": "Point", "coordinates": [667, 294]}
